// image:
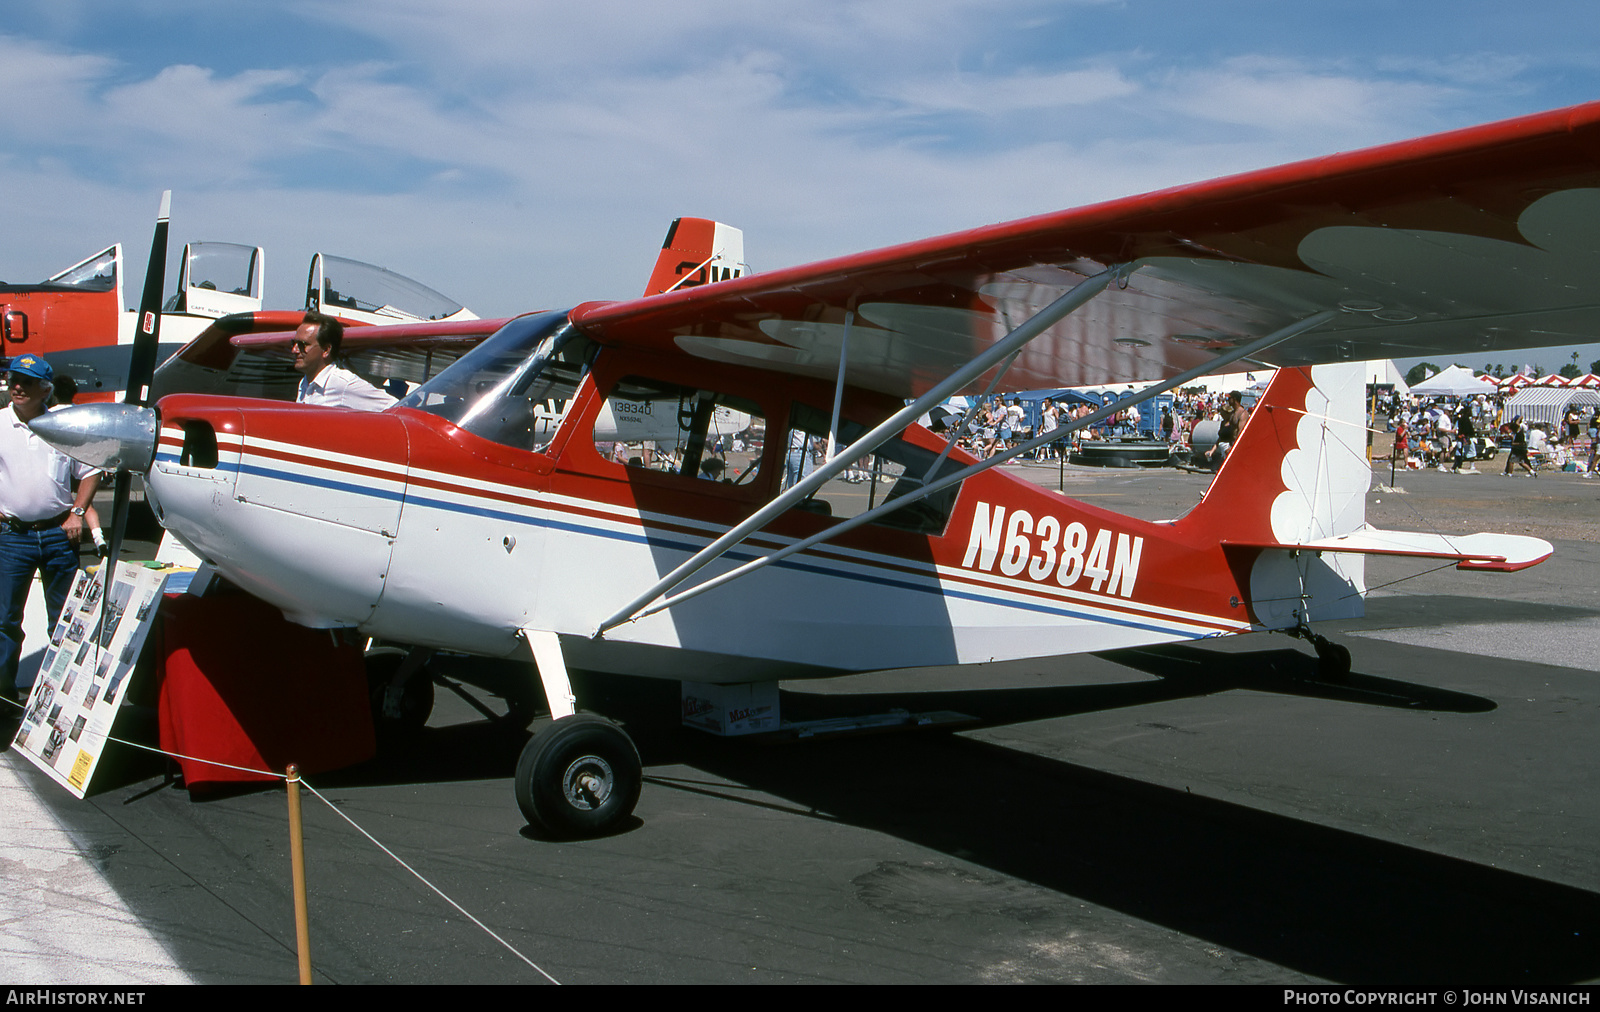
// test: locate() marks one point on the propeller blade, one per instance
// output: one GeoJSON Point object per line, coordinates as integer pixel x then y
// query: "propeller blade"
{"type": "Point", "coordinates": [147, 333]}
{"type": "Point", "coordinates": [141, 367]}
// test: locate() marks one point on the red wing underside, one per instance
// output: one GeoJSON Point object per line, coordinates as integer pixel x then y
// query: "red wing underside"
{"type": "Point", "coordinates": [1471, 242]}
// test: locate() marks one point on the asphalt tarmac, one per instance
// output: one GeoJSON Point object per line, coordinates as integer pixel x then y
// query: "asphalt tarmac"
{"type": "Point", "coordinates": [1191, 814]}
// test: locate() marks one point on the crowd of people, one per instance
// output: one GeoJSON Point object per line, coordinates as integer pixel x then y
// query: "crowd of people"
{"type": "Point", "coordinates": [1451, 433]}
{"type": "Point", "coordinates": [1444, 432]}
{"type": "Point", "coordinates": [1002, 422]}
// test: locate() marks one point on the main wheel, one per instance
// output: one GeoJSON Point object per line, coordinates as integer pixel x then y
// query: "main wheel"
{"type": "Point", "coordinates": [579, 777]}
{"type": "Point", "coordinates": [415, 702]}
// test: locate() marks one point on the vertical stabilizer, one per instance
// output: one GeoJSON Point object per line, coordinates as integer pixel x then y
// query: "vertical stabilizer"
{"type": "Point", "coordinates": [1298, 473]}
{"type": "Point", "coordinates": [698, 251]}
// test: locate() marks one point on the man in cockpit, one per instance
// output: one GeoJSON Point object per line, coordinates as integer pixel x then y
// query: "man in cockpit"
{"type": "Point", "coordinates": [316, 347]}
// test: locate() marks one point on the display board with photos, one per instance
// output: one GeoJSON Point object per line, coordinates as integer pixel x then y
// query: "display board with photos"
{"type": "Point", "coordinates": [83, 677]}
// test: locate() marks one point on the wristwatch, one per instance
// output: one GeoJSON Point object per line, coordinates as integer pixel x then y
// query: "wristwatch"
{"type": "Point", "coordinates": [77, 511]}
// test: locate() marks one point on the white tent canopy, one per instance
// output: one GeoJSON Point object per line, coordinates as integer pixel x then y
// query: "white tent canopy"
{"type": "Point", "coordinates": [1453, 382]}
{"type": "Point", "coordinates": [1382, 371]}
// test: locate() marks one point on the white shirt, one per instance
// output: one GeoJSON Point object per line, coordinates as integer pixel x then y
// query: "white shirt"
{"type": "Point", "coordinates": [35, 477]}
{"type": "Point", "coordinates": [337, 387]}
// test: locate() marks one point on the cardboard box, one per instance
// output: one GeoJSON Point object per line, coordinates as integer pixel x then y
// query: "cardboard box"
{"type": "Point", "coordinates": [742, 708]}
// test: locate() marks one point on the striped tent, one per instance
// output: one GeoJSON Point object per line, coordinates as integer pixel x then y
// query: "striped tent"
{"type": "Point", "coordinates": [1549, 404]}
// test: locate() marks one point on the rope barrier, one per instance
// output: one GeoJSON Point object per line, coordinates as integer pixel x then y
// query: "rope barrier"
{"type": "Point", "coordinates": [419, 877]}
{"type": "Point", "coordinates": [278, 775]}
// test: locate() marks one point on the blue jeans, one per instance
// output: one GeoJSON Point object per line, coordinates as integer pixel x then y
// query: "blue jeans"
{"type": "Point", "coordinates": [48, 553]}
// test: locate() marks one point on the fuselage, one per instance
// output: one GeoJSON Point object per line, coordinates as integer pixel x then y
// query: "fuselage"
{"type": "Point", "coordinates": [408, 527]}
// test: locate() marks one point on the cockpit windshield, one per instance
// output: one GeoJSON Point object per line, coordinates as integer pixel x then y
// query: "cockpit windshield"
{"type": "Point", "coordinates": [514, 387]}
{"type": "Point", "coordinates": [96, 274]}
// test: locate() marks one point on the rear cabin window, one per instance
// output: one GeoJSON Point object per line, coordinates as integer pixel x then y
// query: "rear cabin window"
{"type": "Point", "coordinates": [896, 469]}
{"type": "Point", "coordinates": [695, 434]}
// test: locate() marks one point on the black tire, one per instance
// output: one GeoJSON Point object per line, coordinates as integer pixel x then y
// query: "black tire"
{"type": "Point", "coordinates": [580, 777]}
{"type": "Point", "coordinates": [416, 699]}
{"type": "Point", "coordinates": [1333, 661]}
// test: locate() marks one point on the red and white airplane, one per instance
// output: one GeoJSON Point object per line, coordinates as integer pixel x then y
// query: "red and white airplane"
{"type": "Point", "coordinates": [450, 522]}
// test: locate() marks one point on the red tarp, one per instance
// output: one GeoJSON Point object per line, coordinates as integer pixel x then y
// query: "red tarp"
{"type": "Point", "coordinates": [243, 686]}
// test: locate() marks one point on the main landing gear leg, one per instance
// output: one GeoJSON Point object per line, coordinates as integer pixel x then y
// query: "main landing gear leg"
{"type": "Point", "coordinates": [1333, 659]}
{"type": "Point", "coordinates": [579, 777]}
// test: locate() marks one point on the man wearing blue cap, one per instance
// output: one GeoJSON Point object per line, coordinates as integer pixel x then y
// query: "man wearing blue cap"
{"type": "Point", "coordinates": [41, 517]}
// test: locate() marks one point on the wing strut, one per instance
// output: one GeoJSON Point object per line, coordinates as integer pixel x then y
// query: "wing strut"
{"type": "Point", "coordinates": [1154, 390]}
{"type": "Point", "coordinates": [838, 387]}
{"type": "Point", "coordinates": [1040, 322]}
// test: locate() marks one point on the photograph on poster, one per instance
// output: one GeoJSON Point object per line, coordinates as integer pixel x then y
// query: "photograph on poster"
{"type": "Point", "coordinates": [41, 702]}
{"type": "Point", "coordinates": [91, 595]}
{"type": "Point", "coordinates": [115, 607]}
{"type": "Point", "coordinates": [52, 744]}
{"type": "Point", "coordinates": [116, 680]}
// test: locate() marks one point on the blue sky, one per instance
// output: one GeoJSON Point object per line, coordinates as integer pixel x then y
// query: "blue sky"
{"type": "Point", "coordinates": [518, 154]}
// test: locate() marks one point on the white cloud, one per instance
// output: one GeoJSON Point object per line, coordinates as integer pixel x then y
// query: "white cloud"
{"type": "Point", "coordinates": [46, 89]}
{"type": "Point", "coordinates": [1027, 91]}
{"type": "Point", "coordinates": [1270, 95]}
{"type": "Point", "coordinates": [517, 153]}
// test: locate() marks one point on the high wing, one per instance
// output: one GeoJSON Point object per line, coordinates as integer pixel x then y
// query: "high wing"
{"type": "Point", "coordinates": [1464, 243]}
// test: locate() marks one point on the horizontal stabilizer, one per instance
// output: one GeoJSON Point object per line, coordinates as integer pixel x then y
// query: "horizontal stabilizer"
{"type": "Point", "coordinates": [1503, 553]}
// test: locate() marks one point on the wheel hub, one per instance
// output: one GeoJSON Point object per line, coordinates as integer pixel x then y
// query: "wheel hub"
{"type": "Point", "coordinates": [588, 782]}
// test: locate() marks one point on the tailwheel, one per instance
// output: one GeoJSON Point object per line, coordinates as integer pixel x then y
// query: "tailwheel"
{"type": "Point", "coordinates": [580, 777]}
{"type": "Point", "coordinates": [1333, 659]}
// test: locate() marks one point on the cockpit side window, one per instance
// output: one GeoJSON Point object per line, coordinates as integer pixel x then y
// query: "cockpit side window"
{"type": "Point", "coordinates": [901, 464]}
{"type": "Point", "coordinates": [681, 430]}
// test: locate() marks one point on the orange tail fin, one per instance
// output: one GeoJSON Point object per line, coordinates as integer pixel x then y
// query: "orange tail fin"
{"type": "Point", "coordinates": [698, 251]}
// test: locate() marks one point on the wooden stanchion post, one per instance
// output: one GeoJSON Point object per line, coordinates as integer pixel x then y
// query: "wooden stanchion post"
{"type": "Point", "coordinates": [297, 861]}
